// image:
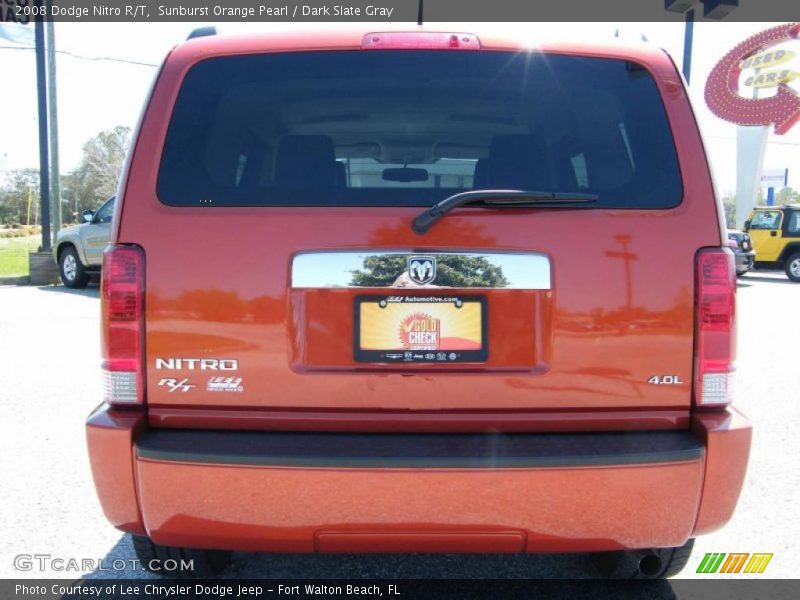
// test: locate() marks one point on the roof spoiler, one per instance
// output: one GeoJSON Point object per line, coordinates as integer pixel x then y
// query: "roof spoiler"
{"type": "Point", "coordinates": [203, 32]}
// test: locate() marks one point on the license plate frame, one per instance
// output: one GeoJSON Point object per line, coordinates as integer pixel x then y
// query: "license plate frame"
{"type": "Point", "coordinates": [439, 305]}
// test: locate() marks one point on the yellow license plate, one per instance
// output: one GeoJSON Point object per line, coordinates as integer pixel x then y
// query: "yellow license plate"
{"type": "Point", "coordinates": [420, 329]}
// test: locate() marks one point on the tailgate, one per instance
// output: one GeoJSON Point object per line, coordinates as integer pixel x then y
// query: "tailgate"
{"type": "Point", "coordinates": [584, 324]}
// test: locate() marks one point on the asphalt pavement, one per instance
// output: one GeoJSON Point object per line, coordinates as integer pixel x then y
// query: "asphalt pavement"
{"type": "Point", "coordinates": [49, 344]}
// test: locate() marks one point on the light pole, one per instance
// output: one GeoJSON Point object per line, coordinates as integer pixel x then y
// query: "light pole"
{"type": "Point", "coordinates": [688, 38]}
{"type": "Point", "coordinates": [52, 101]}
{"type": "Point", "coordinates": [712, 9]}
{"type": "Point", "coordinates": [44, 144]}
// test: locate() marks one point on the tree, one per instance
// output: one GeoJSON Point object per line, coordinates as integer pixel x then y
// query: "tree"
{"type": "Point", "coordinates": [21, 185]}
{"type": "Point", "coordinates": [451, 271]}
{"type": "Point", "coordinates": [78, 195]}
{"type": "Point", "coordinates": [729, 204]}
{"type": "Point", "coordinates": [89, 185]}
{"type": "Point", "coordinates": [787, 196]}
{"type": "Point", "coordinates": [96, 177]}
{"type": "Point", "coordinates": [98, 173]}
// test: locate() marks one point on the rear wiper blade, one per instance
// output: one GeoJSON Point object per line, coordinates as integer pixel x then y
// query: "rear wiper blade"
{"type": "Point", "coordinates": [493, 198]}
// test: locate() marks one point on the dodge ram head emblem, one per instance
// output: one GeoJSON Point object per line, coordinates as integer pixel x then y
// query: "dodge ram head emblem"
{"type": "Point", "coordinates": [421, 269]}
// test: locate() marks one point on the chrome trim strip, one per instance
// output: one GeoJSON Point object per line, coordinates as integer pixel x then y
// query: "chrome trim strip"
{"type": "Point", "coordinates": [350, 269]}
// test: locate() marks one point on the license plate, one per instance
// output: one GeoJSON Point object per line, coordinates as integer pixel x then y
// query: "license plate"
{"type": "Point", "coordinates": [420, 329]}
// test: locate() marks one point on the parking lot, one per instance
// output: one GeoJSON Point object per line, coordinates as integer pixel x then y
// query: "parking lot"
{"type": "Point", "coordinates": [49, 355]}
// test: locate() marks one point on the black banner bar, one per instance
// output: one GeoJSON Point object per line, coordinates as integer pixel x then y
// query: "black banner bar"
{"type": "Point", "coordinates": [397, 11]}
{"type": "Point", "coordinates": [401, 589]}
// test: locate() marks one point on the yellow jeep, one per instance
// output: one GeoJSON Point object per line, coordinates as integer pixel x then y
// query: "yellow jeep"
{"type": "Point", "coordinates": [775, 232]}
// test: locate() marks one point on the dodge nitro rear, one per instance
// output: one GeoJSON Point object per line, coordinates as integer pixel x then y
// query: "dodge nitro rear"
{"type": "Point", "coordinates": [414, 291]}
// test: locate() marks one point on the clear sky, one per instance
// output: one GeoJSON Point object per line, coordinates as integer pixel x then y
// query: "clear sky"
{"type": "Point", "coordinates": [94, 95]}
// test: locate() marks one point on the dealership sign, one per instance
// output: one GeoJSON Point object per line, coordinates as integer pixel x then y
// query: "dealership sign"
{"type": "Point", "coordinates": [764, 66]}
{"type": "Point", "coordinates": [774, 178]}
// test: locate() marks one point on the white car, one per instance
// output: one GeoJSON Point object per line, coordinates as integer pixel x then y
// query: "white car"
{"type": "Point", "coordinates": [78, 250]}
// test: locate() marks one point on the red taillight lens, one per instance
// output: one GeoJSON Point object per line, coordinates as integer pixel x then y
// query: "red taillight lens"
{"type": "Point", "coordinates": [420, 40]}
{"type": "Point", "coordinates": [122, 302]}
{"type": "Point", "coordinates": [716, 327]}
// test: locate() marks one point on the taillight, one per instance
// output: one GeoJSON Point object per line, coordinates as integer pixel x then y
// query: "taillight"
{"type": "Point", "coordinates": [122, 302]}
{"type": "Point", "coordinates": [715, 351]}
{"type": "Point", "coordinates": [420, 40]}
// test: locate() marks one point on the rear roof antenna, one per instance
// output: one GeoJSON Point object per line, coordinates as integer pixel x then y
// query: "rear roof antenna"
{"type": "Point", "coordinates": [419, 13]}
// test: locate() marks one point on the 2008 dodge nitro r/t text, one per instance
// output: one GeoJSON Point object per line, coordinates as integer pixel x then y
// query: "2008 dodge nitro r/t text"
{"type": "Point", "coordinates": [413, 291]}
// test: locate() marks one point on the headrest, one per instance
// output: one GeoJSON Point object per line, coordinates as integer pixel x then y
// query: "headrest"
{"type": "Point", "coordinates": [481, 179]}
{"type": "Point", "coordinates": [518, 162]}
{"type": "Point", "coordinates": [305, 161]}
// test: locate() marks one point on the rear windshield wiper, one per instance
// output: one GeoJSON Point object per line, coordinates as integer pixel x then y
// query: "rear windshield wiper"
{"type": "Point", "coordinates": [493, 198]}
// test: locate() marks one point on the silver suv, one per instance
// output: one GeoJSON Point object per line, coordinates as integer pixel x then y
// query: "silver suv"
{"type": "Point", "coordinates": [78, 250]}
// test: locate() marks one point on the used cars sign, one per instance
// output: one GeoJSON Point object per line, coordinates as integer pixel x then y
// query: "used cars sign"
{"type": "Point", "coordinates": [722, 88]}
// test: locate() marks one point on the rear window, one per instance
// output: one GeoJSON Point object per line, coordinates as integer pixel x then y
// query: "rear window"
{"type": "Point", "coordinates": [409, 128]}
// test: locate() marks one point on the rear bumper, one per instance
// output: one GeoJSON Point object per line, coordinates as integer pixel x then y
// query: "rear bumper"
{"type": "Point", "coordinates": [307, 492]}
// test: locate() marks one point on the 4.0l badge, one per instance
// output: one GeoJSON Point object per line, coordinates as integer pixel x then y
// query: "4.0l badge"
{"type": "Point", "coordinates": [665, 380]}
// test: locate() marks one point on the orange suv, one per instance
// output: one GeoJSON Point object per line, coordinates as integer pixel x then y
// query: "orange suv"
{"type": "Point", "coordinates": [414, 291]}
